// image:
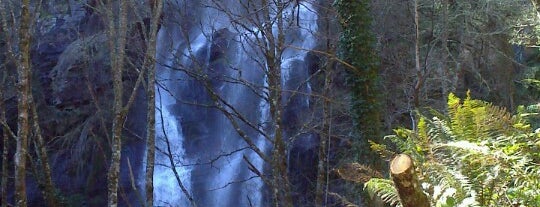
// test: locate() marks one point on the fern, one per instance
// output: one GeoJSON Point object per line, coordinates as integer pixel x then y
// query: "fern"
{"type": "Point", "coordinates": [532, 83]}
{"type": "Point", "coordinates": [476, 120]}
{"type": "Point", "coordinates": [477, 155]}
{"type": "Point", "coordinates": [383, 189]}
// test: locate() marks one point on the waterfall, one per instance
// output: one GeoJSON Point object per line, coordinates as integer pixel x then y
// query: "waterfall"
{"type": "Point", "coordinates": [168, 129]}
{"type": "Point", "coordinates": [207, 150]}
{"type": "Point", "coordinates": [165, 184]}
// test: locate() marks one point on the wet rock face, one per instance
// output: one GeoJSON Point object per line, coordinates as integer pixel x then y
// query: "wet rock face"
{"type": "Point", "coordinates": [80, 81]}
{"type": "Point", "coordinates": [81, 67]}
{"type": "Point", "coordinates": [218, 58]}
{"type": "Point", "coordinates": [60, 59]}
{"type": "Point", "coordinates": [72, 76]}
{"type": "Point", "coordinates": [303, 159]}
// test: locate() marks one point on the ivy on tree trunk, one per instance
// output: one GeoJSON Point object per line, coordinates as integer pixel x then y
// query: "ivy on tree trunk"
{"type": "Point", "coordinates": [356, 48]}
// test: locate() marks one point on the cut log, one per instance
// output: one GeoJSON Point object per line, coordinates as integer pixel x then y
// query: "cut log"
{"type": "Point", "coordinates": [406, 182]}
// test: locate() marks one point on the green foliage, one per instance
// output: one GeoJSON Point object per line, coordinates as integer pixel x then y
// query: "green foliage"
{"type": "Point", "coordinates": [531, 114]}
{"type": "Point", "coordinates": [526, 27]}
{"type": "Point", "coordinates": [384, 189]}
{"type": "Point", "coordinates": [532, 84]}
{"type": "Point", "coordinates": [476, 120]}
{"type": "Point", "coordinates": [477, 155]}
{"type": "Point", "coordinates": [357, 49]}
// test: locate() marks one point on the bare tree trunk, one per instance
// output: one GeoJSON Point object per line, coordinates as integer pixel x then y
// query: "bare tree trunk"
{"type": "Point", "coordinates": [43, 159]}
{"type": "Point", "coordinates": [5, 142]}
{"type": "Point", "coordinates": [156, 7]}
{"type": "Point", "coordinates": [280, 183]}
{"type": "Point", "coordinates": [419, 73]}
{"type": "Point", "coordinates": [4, 29]}
{"type": "Point", "coordinates": [117, 33]}
{"type": "Point", "coordinates": [406, 182]}
{"type": "Point", "coordinates": [447, 75]}
{"type": "Point", "coordinates": [274, 86]}
{"type": "Point", "coordinates": [321, 168]}
{"type": "Point", "coordinates": [4, 180]}
{"type": "Point", "coordinates": [117, 43]}
{"type": "Point", "coordinates": [3, 188]}
{"type": "Point", "coordinates": [324, 139]}
{"type": "Point", "coordinates": [46, 184]}
{"type": "Point", "coordinates": [326, 132]}
{"type": "Point", "coordinates": [26, 106]}
{"type": "Point", "coordinates": [23, 130]}
{"type": "Point", "coordinates": [281, 188]}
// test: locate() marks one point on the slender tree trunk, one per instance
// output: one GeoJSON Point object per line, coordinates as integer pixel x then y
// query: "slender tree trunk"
{"type": "Point", "coordinates": [321, 166]}
{"type": "Point", "coordinates": [5, 151]}
{"type": "Point", "coordinates": [419, 73]}
{"type": "Point", "coordinates": [5, 174]}
{"type": "Point", "coordinates": [156, 7]}
{"type": "Point", "coordinates": [49, 190]}
{"type": "Point", "coordinates": [116, 147]}
{"type": "Point", "coordinates": [23, 107]}
{"type": "Point", "coordinates": [44, 174]}
{"type": "Point", "coordinates": [5, 142]}
{"type": "Point", "coordinates": [281, 188]}
{"type": "Point", "coordinates": [326, 124]}
{"type": "Point", "coordinates": [4, 29]}
{"type": "Point", "coordinates": [448, 77]}
{"type": "Point", "coordinates": [117, 43]}
{"type": "Point", "coordinates": [324, 139]}
{"type": "Point", "coordinates": [150, 139]}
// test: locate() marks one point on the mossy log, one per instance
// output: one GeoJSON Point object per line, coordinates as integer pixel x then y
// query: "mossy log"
{"type": "Point", "coordinates": [406, 182]}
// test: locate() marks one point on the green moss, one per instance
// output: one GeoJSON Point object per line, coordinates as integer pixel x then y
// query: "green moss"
{"type": "Point", "coordinates": [356, 48]}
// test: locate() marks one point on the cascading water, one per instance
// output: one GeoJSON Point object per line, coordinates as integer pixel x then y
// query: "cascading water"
{"type": "Point", "coordinates": [168, 130]}
{"type": "Point", "coordinates": [206, 148]}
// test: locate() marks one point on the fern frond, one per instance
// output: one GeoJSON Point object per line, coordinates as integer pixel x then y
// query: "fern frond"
{"type": "Point", "coordinates": [383, 189]}
{"type": "Point", "coordinates": [476, 120]}
{"type": "Point", "coordinates": [381, 149]}
{"type": "Point", "coordinates": [405, 139]}
{"type": "Point", "coordinates": [532, 83]}
{"type": "Point", "coordinates": [466, 146]}
{"type": "Point", "coordinates": [439, 131]}
{"type": "Point", "coordinates": [444, 178]}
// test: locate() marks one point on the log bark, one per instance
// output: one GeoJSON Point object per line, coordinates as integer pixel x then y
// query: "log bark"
{"type": "Point", "coordinates": [406, 182]}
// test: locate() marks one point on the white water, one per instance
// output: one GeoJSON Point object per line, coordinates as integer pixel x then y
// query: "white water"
{"type": "Point", "coordinates": [172, 50]}
{"type": "Point", "coordinates": [167, 191]}
{"type": "Point", "coordinates": [258, 185]}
